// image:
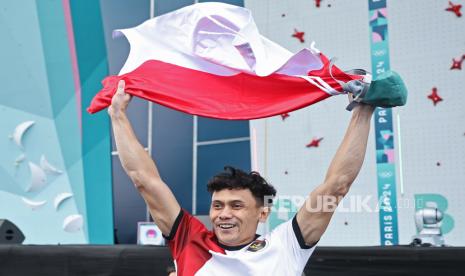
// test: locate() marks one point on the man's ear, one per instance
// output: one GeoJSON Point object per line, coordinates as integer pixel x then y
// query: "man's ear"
{"type": "Point", "coordinates": [264, 213]}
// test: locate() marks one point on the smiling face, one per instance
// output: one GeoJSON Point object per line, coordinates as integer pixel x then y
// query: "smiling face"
{"type": "Point", "coordinates": [235, 215]}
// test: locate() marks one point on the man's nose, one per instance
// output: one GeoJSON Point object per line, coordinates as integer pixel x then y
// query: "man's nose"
{"type": "Point", "coordinates": [225, 213]}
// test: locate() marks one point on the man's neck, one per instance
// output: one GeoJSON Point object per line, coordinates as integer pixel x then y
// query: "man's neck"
{"type": "Point", "coordinates": [238, 246]}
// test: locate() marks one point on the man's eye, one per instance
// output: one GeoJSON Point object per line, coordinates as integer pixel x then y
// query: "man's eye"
{"type": "Point", "coordinates": [237, 206]}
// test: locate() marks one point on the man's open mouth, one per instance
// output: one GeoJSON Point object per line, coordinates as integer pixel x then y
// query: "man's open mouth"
{"type": "Point", "coordinates": [226, 225]}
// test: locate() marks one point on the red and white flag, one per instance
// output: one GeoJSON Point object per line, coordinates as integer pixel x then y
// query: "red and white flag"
{"type": "Point", "coordinates": [209, 59]}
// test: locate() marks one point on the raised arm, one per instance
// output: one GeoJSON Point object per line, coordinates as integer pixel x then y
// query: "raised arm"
{"type": "Point", "coordinates": [314, 216]}
{"type": "Point", "coordinates": [140, 167]}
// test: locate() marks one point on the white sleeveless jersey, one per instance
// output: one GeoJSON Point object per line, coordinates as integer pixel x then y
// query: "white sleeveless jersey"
{"type": "Point", "coordinates": [196, 251]}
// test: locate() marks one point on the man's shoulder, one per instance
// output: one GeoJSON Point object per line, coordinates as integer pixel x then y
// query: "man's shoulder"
{"type": "Point", "coordinates": [189, 230]}
{"type": "Point", "coordinates": [290, 232]}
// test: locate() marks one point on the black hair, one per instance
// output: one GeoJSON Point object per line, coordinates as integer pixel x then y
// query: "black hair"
{"type": "Point", "coordinates": [233, 178]}
{"type": "Point", "coordinates": [170, 269]}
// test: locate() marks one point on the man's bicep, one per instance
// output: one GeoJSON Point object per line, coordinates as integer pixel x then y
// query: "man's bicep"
{"type": "Point", "coordinates": [315, 214]}
{"type": "Point", "coordinates": [162, 204]}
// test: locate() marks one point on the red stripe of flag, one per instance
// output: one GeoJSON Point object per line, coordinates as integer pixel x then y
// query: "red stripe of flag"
{"type": "Point", "coordinates": [242, 96]}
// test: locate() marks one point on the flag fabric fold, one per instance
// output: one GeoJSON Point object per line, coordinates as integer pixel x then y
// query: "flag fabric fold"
{"type": "Point", "coordinates": [209, 59]}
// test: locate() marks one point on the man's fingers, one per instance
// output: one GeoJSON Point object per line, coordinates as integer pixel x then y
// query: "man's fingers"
{"type": "Point", "coordinates": [120, 89]}
{"type": "Point", "coordinates": [351, 97]}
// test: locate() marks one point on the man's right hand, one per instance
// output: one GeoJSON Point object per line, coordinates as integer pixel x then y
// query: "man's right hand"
{"type": "Point", "coordinates": [120, 101]}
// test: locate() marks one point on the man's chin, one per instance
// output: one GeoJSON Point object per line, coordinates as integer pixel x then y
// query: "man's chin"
{"type": "Point", "coordinates": [227, 242]}
{"type": "Point", "coordinates": [226, 238]}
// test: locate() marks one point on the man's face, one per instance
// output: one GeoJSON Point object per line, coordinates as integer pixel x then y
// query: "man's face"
{"type": "Point", "coordinates": [235, 215]}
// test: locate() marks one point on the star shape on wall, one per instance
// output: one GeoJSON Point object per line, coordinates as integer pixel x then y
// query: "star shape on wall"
{"type": "Point", "coordinates": [455, 9]}
{"type": "Point", "coordinates": [299, 35]}
{"type": "Point", "coordinates": [314, 143]}
{"type": "Point", "coordinates": [434, 96]}
{"type": "Point", "coordinates": [457, 63]}
{"type": "Point", "coordinates": [284, 116]}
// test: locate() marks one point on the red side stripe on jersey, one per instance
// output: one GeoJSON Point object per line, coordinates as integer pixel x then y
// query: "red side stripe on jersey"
{"type": "Point", "coordinates": [190, 244]}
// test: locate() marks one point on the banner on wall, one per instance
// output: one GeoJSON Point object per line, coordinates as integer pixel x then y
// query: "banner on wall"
{"type": "Point", "coordinates": [385, 150]}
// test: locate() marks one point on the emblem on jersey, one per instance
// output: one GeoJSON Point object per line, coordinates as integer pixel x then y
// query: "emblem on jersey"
{"type": "Point", "coordinates": [257, 245]}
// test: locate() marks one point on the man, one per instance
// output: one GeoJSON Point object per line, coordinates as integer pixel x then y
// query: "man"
{"type": "Point", "coordinates": [239, 203]}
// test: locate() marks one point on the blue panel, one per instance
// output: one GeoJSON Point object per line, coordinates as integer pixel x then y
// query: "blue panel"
{"type": "Point", "coordinates": [239, 3]}
{"type": "Point", "coordinates": [172, 150]}
{"type": "Point", "coordinates": [165, 6]}
{"type": "Point", "coordinates": [121, 14]}
{"type": "Point", "coordinates": [211, 160]}
{"type": "Point", "coordinates": [96, 143]}
{"type": "Point", "coordinates": [211, 129]}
